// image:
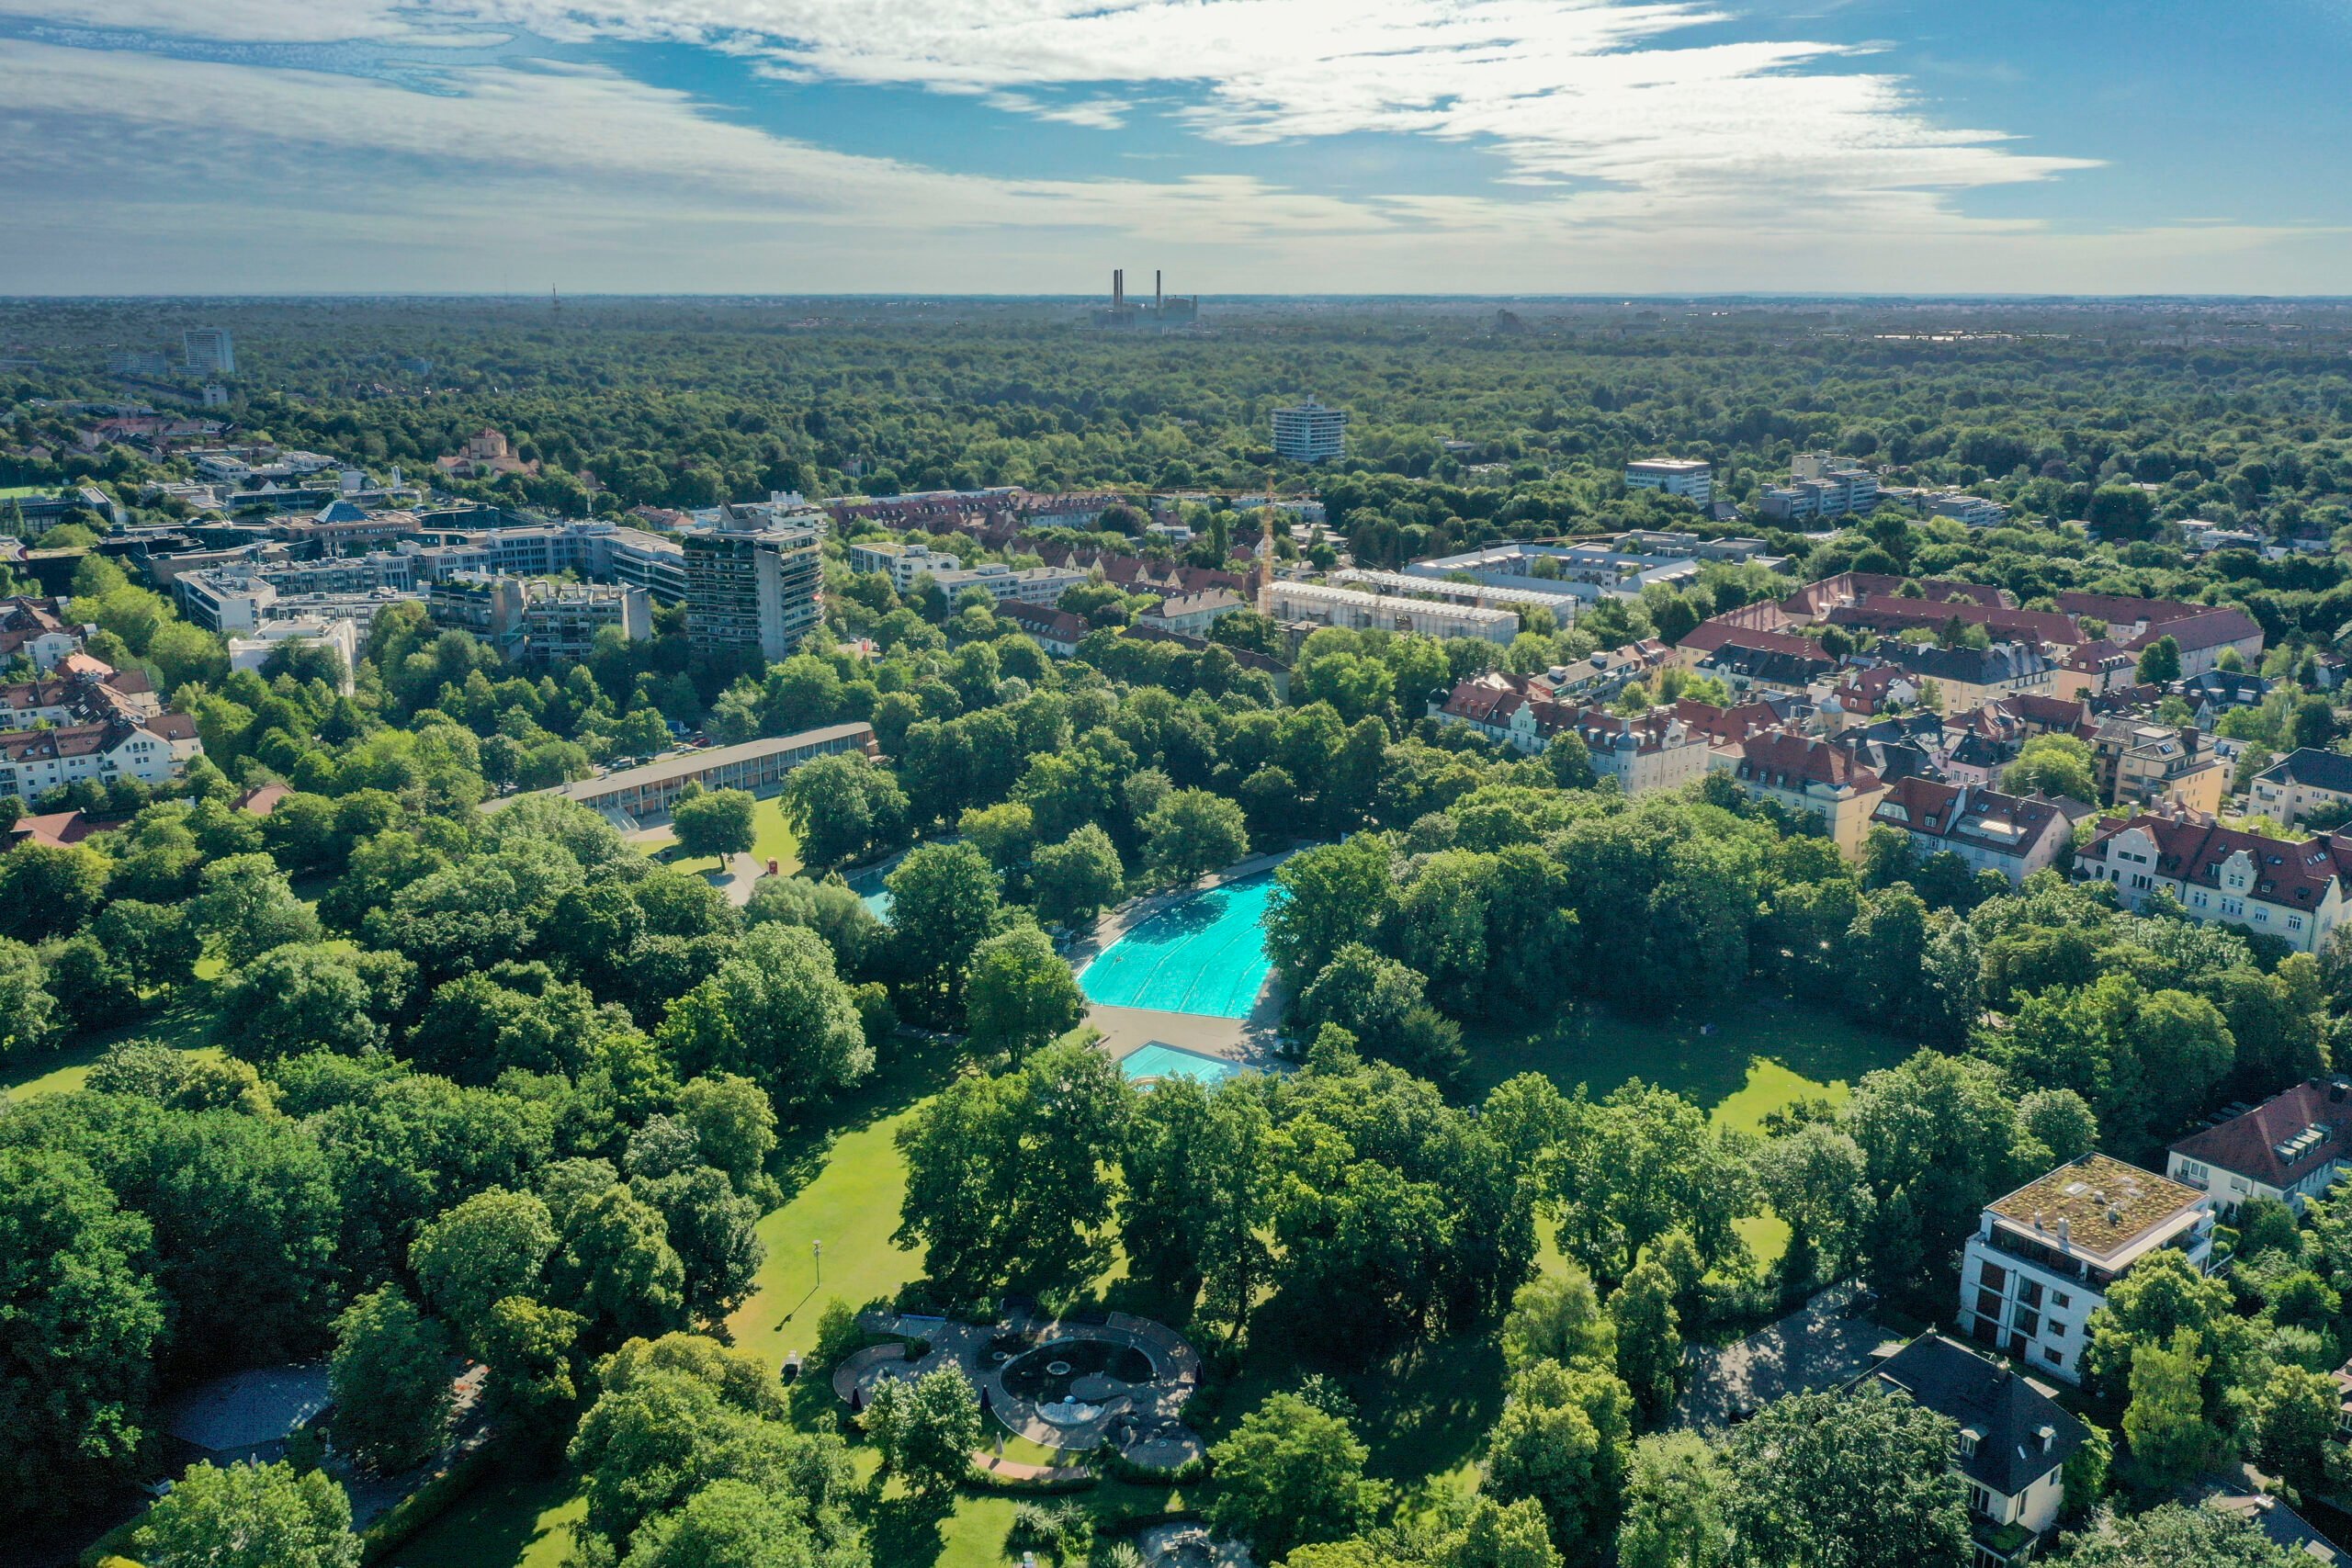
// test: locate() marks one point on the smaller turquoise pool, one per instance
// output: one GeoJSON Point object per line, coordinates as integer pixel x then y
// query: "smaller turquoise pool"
{"type": "Point", "coordinates": [1204, 954]}
{"type": "Point", "coordinates": [1156, 1060]}
{"type": "Point", "coordinates": [867, 885]}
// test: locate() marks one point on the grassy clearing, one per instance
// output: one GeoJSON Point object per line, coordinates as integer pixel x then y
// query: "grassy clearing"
{"type": "Point", "coordinates": [187, 1027]}
{"type": "Point", "coordinates": [1765, 1054]}
{"type": "Point", "coordinates": [850, 1182]}
{"type": "Point", "coordinates": [504, 1523]}
{"type": "Point", "coordinates": [772, 840]}
{"type": "Point", "coordinates": [1769, 1053]}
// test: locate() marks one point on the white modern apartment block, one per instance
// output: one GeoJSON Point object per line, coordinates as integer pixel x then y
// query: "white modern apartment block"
{"type": "Point", "coordinates": [1310, 432]}
{"type": "Point", "coordinates": [209, 351]}
{"type": "Point", "coordinates": [900, 563]}
{"type": "Point", "coordinates": [1689, 478]}
{"type": "Point", "coordinates": [252, 650]}
{"type": "Point", "coordinates": [1317, 605]}
{"type": "Point", "coordinates": [1028, 585]}
{"type": "Point", "coordinates": [1820, 485]}
{"type": "Point", "coordinates": [2044, 1256]}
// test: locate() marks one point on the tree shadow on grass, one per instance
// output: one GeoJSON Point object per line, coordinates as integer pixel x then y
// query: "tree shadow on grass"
{"type": "Point", "coordinates": [904, 1531]}
{"type": "Point", "coordinates": [911, 1069]}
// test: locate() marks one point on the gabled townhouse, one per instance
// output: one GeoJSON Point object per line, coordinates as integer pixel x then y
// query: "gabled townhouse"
{"type": "Point", "coordinates": [1969, 678]}
{"type": "Point", "coordinates": [1653, 751]}
{"type": "Point", "coordinates": [1193, 613]}
{"type": "Point", "coordinates": [2089, 667]}
{"type": "Point", "coordinates": [2288, 1149]}
{"type": "Point", "coordinates": [1892, 614]}
{"type": "Point", "coordinates": [2216, 692]}
{"type": "Point", "coordinates": [1812, 778]}
{"type": "Point", "coordinates": [34, 761]}
{"type": "Point", "coordinates": [2296, 892]}
{"type": "Point", "coordinates": [1059, 632]}
{"type": "Point", "coordinates": [2012, 1446]}
{"type": "Point", "coordinates": [38, 629]}
{"type": "Point", "coordinates": [2300, 782]}
{"type": "Point", "coordinates": [2043, 1258]}
{"type": "Point", "coordinates": [2014, 835]}
{"type": "Point", "coordinates": [1514, 710]}
{"type": "Point", "coordinates": [1792, 670]}
{"type": "Point", "coordinates": [1864, 695]}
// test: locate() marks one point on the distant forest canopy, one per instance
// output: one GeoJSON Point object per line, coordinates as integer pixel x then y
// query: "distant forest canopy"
{"type": "Point", "coordinates": [2241, 411]}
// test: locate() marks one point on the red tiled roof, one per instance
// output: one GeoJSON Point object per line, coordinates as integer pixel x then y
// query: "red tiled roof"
{"type": "Point", "coordinates": [1709, 636]}
{"type": "Point", "coordinates": [1060, 625]}
{"type": "Point", "coordinates": [1726, 725]}
{"type": "Point", "coordinates": [1790, 761]}
{"type": "Point", "coordinates": [1984, 818]}
{"type": "Point", "coordinates": [2248, 1145]}
{"type": "Point", "coordinates": [2121, 609]}
{"type": "Point", "coordinates": [57, 830]}
{"type": "Point", "coordinates": [263, 800]}
{"type": "Point", "coordinates": [2295, 876]}
{"type": "Point", "coordinates": [2207, 628]}
{"type": "Point", "coordinates": [1879, 611]}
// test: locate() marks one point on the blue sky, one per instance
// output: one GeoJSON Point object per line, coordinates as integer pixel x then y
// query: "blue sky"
{"type": "Point", "coordinates": [1028, 146]}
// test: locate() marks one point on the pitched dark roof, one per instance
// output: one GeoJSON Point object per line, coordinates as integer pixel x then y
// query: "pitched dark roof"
{"type": "Point", "coordinates": [1974, 666]}
{"type": "Point", "coordinates": [2251, 1144]}
{"type": "Point", "coordinates": [2313, 768]}
{"type": "Point", "coordinates": [2006, 1411]}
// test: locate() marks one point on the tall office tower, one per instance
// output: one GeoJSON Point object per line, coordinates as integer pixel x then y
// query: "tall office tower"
{"type": "Point", "coordinates": [750, 588]}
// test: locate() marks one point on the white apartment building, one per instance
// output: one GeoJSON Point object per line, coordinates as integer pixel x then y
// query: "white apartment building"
{"type": "Point", "coordinates": [1310, 432]}
{"type": "Point", "coordinates": [1820, 485]}
{"type": "Point", "coordinates": [1027, 585]}
{"type": "Point", "coordinates": [2289, 1149]}
{"type": "Point", "coordinates": [2042, 1258]}
{"type": "Point", "coordinates": [1316, 605]}
{"type": "Point", "coordinates": [1690, 478]}
{"type": "Point", "coordinates": [900, 563]}
{"type": "Point", "coordinates": [156, 750]}
{"type": "Point", "coordinates": [2293, 891]}
{"type": "Point", "coordinates": [1193, 614]}
{"type": "Point", "coordinates": [251, 652]}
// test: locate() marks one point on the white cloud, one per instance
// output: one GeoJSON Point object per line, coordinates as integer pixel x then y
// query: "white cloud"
{"type": "Point", "coordinates": [1632, 164]}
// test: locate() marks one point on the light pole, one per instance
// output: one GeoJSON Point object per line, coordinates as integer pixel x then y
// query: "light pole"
{"type": "Point", "coordinates": [817, 1251]}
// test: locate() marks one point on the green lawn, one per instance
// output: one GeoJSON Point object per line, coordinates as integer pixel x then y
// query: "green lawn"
{"type": "Point", "coordinates": [503, 1524]}
{"type": "Point", "coordinates": [187, 1026]}
{"type": "Point", "coordinates": [772, 840]}
{"type": "Point", "coordinates": [847, 1199]}
{"type": "Point", "coordinates": [1766, 1053]}
{"type": "Point", "coordinates": [1763, 1053]}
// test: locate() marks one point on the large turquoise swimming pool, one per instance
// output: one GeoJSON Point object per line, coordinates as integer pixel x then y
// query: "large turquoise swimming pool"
{"type": "Point", "coordinates": [1204, 954]}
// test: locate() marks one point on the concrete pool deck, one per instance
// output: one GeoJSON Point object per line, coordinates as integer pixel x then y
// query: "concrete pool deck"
{"type": "Point", "coordinates": [1250, 1042]}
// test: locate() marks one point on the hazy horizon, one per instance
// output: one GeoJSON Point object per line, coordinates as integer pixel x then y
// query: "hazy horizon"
{"type": "Point", "coordinates": [1014, 147]}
